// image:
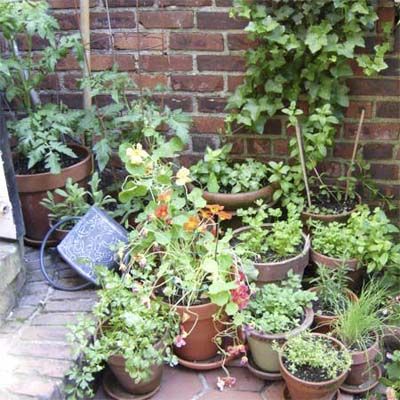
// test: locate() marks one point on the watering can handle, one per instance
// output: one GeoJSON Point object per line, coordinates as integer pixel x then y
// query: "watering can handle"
{"type": "Point", "coordinates": [43, 267]}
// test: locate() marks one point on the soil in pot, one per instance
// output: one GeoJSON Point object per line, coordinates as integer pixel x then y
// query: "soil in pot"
{"type": "Point", "coordinates": [260, 344]}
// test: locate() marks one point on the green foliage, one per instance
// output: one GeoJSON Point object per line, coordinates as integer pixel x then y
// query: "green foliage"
{"type": "Point", "coordinates": [42, 136]}
{"type": "Point", "coordinates": [278, 309]}
{"type": "Point", "coordinates": [278, 241]}
{"type": "Point", "coordinates": [319, 353]}
{"type": "Point", "coordinates": [392, 379]}
{"type": "Point", "coordinates": [219, 174]}
{"type": "Point", "coordinates": [126, 321]}
{"type": "Point", "coordinates": [76, 200]}
{"type": "Point", "coordinates": [19, 75]}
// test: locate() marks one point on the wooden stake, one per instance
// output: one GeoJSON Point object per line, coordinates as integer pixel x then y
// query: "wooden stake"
{"type": "Point", "coordinates": [302, 161]}
{"type": "Point", "coordinates": [85, 32]}
{"type": "Point", "coordinates": [353, 157]}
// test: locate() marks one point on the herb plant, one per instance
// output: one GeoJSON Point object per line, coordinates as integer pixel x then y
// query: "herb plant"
{"type": "Point", "coordinates": [219, 174]}
{"type": "Point", "coordinates": [392, 379]}
{"type": "Point", "coordinates": [278, 309]}
{"type": "Point", "coordinates": [126, 321]}
{"type": "Point", "coordinates": [315, 353]}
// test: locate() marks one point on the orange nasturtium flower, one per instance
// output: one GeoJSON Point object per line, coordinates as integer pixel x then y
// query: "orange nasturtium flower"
{"type": "Point", "coordinates": [191, 224]}
{"type": "Point", "coordinates": [224, 215]}
{"type": "Point", "coordinates": [214, 208]}
{"type": "Point", "coordinates": [165, 196]}
{"type": "Point", "coordinates": [162, 211]}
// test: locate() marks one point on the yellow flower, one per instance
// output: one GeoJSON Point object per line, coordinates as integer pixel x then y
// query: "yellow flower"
{"type": "Point", "coordinates": [183, 177]}
{"type": "Point", "coordinates": [136, 154]}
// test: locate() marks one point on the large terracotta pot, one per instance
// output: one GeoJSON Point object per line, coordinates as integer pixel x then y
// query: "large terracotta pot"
{"type": "Point", "coordinates": [199, 323]}
{"type": "Point", "coordinates": [300, 389]}
{"type": "Point", "coordinates": [277, 271]}
{"type": "Point", "coordinates": [363, 363]}
{"type": "Point", "coordinates": [32, 189]}
{"type": "Point", "coordinates": [356, 272]}
{"type": "Point", "coordinates": [260, 343]}
{"type": "Point", "coordinates": [323, 323]}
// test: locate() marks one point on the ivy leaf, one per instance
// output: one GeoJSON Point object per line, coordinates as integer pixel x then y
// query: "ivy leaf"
{"type": "Point", "coordinates": [231, 308]}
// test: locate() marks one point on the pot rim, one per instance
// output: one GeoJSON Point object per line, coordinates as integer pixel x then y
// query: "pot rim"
{"type": "Point", "coordinates": [334, 259]}
{"type": "Point", "coordinates": [373, 346]}
{"type": "Point", "coordinates": [262, 336]}
{"type": "Point", "coordinates": [318, 384]}
{"type": "Point", "coordinates": [306, 248]}
{"type": "Point", "coordinates": [343, 214]}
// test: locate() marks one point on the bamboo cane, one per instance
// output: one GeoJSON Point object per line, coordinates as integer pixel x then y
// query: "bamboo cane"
{"type": "Point", "coordinates": [85, 32]}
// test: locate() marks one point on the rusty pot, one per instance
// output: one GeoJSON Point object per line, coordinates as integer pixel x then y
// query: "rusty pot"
{"type": "Point", "coordinates": [277, 271]}
{"type": "Point", "coordinates": [323, 323]}
{"type": "Point", "coordinates": [32, 189]}
{"type": "Point", "coordinates": [362, 364]}
{"type": "Point", "coordinates": [202, 328]}
{"type": "Point", "coordinates": [356, 272]}
{"type": "Point", "coordinates": [300, 389]}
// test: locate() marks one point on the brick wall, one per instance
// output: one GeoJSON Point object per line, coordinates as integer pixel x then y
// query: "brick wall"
{"type": "Point", "coordinates": [195, 49]}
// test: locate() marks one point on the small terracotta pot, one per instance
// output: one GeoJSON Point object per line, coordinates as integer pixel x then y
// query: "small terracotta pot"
{"type": "Point", "coordinates": [326, 218]}
{"type": "Point", "coordinates": [260, 343]}
{"type": "Point", "coordinates": [277, 271]}
{"type": "Point", "coordinates": [391, 337]}
{"type": "Point", "coordinates": [32, 189]}
{"type": "Point", "coordinates": [117, 366]}
{"type": "Point", "coordinates": [234, 201]}
{"type": "Point", "coordinates": [300, 389]}
{"type": "Point", "coordinates": [356, 272]}
{"type": "Point", "coordinates": [202, 329]}
{"type": "Point", "coordinates": [362, 363]}
{"type": "Point", "coordinates": [323, 323]}
{"type": "Point", "coordinates": [59, 234]}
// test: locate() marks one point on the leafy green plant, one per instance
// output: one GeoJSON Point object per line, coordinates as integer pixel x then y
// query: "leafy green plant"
{"type": "Point", "coordinates": [126, 321]}
{"type": "Point", "coordinates": [280, 240]}
{"type": "Point", "coordinates": [392, 379]}
{"type": "Point", "coordinates": [315, 352]}
{"type": "Point", "coordinates": [278, 309]}
{"type": "Point", "coordinates": [219, 174]}
{"type": "Point", "coordinates": [76, 200]}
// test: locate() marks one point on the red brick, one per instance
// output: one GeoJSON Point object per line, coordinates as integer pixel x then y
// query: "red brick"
{"type": "Point", "coordinates": [100, 41]}
{"type": "Point", "coordinates": [343, 150]}
{"type": "Point", "coordinates": [185, 3]}
{"type": "Point", "coordinates": [220, 63]}
{"type": "Point", "coordinates": [50, 81]}
{"type": "Point", "coordinates": [71, 81]}
{"type": "Point", "coordinates": [68, 3]}
{"type": "Point", "coordinates": [134, 41]}
{"type": "Point", "coordinates": [37, 43]}
{"type": "Point", "coordinates": [223, 3]}
{"type": "Point", "coordinates": [197, 41]}
{"type": "Point", "coordinates": [385, 171]}
{"type": "Point", "coordinates": [219, 20]}
{"type": "Point", "coordinates": [374, 87]}
{"type": "Point", "coordinates": [398, 154]}
{"type": "Point", "coordinates": [208, 124]}
{"type": "Point", "coordinates": [150, 81]}
{"type": "Point", "coordinates": [161, 63]}
{"type": "Point", "coordinates": [239, 41]}
{"type": "Point", "coordinates": [211, 104]}
{"type": "Point", "coordinates": [234, 81]}
{"type": "Point", "coordinates": [355, 107]}
{"type": "Point", "coordinates": [373, 131]}
{"type": "Point", "coordinates": [331, 168]}
{"type": "Point", "coordinates": [280, 147]}
{"type": "Point", "coordinates": [388, 109]}
{"type": "Point", "coordinates": [379, 151]}
{"type": "Point", "coordinates": [386, 15]}
{"type": "Point", "coordinates": [166, 19]}
{"type": "Point", "coordinates": [197, 83]}
{"type": "Point", "coordinates": [200, 143]}
{"type": "Point", "coordinates": [258, 146]}
{"type": "Point", "coordinates": [130, 3]}
{"type": "Point", "coordinates": [101, 62]}
{"type": "Point", "coordinates": [238, 145]}
{"type": "Point", "coordinates": [174, 102]}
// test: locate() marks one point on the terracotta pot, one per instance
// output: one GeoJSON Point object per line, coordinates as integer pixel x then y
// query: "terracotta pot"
{"type": "Point", "coordinates": [117, 366]}
{"type": "Point", "coordinates": [32, 189]}
{"type": "Point", "coordinates": [260, 343]}
{"type": "Point", "coordinates": [234, 201]}
{"type": "Point", "coordinates": [59, 234]}
{"type": "Point", "coordinates": [300, 389]}
{"type": "Point", "coordinates": [356, 272]}
{"type": "Point", "coordinates": [200, 345]}
{"type": "Point", "coordinates": [323, 323]}
{"type": "Point", "coordinates": [362, 364]}
{"type": "Point", "coordinates": [391, 337]}
{"type": "Point", "coordinates": [326, 218]}
{"type": "Point", "coordinates": [277, 271]}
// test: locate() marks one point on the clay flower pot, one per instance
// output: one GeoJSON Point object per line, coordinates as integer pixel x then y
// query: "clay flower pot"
{"type": "Point", "coordinates": [260, 343]}
{"type": "Point", "coordinates": [32, 189]}
{"type": "Point", "coordinates": [356, 272]}
{"type": "Point", "coordinates": [277, 271]}
{"type": "Point", "coordinates": [362, 364]}
{"type": "Point", "coordinates": [300, 389]}
{"type": "Point", "coordinates": [199, 322]}
{"type": "Point", "coordinates": [323, 323]}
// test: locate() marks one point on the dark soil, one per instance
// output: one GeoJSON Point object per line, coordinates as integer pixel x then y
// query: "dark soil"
{"type": "Point", "coordinates": [321, 308]}
{"type": "Point", "coordinates": [21, 164]}
{"type": "Point", "coordinates": [324, 203]}
{"type": "Point", "coordinates": [367, 344]}
{"type": "Point", "coordinates": [309, 374]}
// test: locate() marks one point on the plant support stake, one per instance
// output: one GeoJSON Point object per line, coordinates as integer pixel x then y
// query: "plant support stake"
{"type": "Point", "coordinates": [85, 32]}
{"type": "Point", "coordinates": [353, 157]}
{"type": "Point", "coordinates": [302, 162]}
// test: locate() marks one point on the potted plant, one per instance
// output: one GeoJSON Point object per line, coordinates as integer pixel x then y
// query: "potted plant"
{"type": "Point", "coordinates": [359, 326]}
{"type": "Point", "coordinates": [75, 202]}
{"type": "Point", "coordinates": [391, 311]}
{"type": "Point", "coordinates": [330, 285]}
{"type": "Point", "coordinates": [275, 313]}
{"type": "Point", "coordinates": [392, 376]}
{"type": "Point", "coordinates": [313, 366]}
{"type": "Point", "coordinates": [231, 184]}
{"type": "Point", "coordinates": [274, 248]}
{"type": "Point", "coordinates": [130, 331]}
